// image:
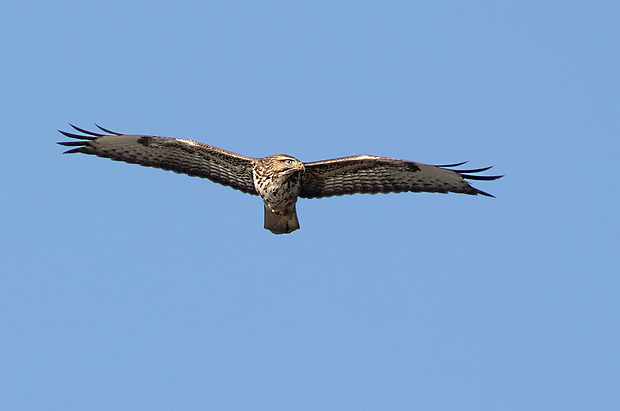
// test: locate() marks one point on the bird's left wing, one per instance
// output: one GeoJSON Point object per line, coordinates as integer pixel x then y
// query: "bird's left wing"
{"type": "Point", "coordinates": [178, 155]}
{"type": "Point", "coordinates": [372, 174]}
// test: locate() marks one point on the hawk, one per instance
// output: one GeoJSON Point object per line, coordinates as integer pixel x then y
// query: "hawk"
{"type": "Point", "coordinates": [278, 179]}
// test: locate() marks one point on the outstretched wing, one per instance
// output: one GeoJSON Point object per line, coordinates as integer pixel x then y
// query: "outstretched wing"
{"type": "Point", "coordinates": [372, 174]}
{"type": "Point", "coordinates": [179, 155]}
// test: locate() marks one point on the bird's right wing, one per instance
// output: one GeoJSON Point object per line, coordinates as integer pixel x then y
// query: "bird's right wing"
{"type": "Point", "coordinates": [175, 154]}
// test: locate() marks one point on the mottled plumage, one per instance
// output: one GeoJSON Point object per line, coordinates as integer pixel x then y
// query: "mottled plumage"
{"type": "Point", "coordinates": [278, 179]}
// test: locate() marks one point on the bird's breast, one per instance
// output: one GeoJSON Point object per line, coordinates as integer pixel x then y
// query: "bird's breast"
{"type": "Point", "coordinates": [278, 193]}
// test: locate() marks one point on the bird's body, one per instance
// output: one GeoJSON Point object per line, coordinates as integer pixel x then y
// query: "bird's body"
{"type": "Point", "coordinates": [278, 179]}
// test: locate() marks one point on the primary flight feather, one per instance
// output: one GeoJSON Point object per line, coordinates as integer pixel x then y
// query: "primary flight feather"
{"type": "Point", "coordinates": [279, 179]}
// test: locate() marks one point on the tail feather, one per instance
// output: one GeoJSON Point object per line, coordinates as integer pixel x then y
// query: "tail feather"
{"type": "Point", "coordinates": [281, 224]}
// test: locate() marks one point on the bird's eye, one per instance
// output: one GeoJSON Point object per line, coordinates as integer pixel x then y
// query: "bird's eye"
{"type": "Point", "coordinates": [289, 161]}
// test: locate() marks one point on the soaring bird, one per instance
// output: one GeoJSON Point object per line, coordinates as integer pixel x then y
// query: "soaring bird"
{"type": "Point", "coordinates": [278, 179]}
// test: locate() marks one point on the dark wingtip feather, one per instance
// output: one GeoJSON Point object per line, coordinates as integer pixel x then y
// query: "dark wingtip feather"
{"type": "Point", "coordinates": [471, 174]}
{"type": "Point", "coordinates": [474, 170]}
{"type": "Point", "coordinates": [107, 131]}
{"type": "Point", "coordinates": [83, 138]}
{"type": "Point", "coordinates": [81, 130]}
{"type": "Point", "coordinates": [77, 136]}
{"type": "Point", "coordinates": [74, 150]}
{"type": "Point", "coordinates": [71, 143]}
{"type": "Point", "coordinates": [484, 193]}
{"type": "Point", "coordinates": [480, 178]}
{"type": "Point", "coordinates": [451, 165]}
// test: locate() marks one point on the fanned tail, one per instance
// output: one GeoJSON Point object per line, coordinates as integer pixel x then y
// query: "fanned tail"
{"type": "Point", "coordinates": [281, 223]}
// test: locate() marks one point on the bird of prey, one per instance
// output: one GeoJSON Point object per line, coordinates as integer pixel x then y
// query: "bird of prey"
{"type": "Point", "coordinates": [278, 179]}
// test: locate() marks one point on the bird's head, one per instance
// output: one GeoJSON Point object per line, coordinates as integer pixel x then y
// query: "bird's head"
{"type": "Point", "coordinates": [285, 165]}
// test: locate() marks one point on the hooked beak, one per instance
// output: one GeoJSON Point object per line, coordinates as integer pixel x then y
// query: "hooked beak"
{"type": "Point", "coordinates": [299, 167]}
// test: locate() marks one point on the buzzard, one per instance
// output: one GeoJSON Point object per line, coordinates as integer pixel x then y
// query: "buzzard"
{"type": "Point", "coordinates": [279, 179]}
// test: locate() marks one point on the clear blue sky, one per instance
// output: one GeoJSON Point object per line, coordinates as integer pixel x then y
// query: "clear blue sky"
{"type": "Point", "coordinates": [125, 287]}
